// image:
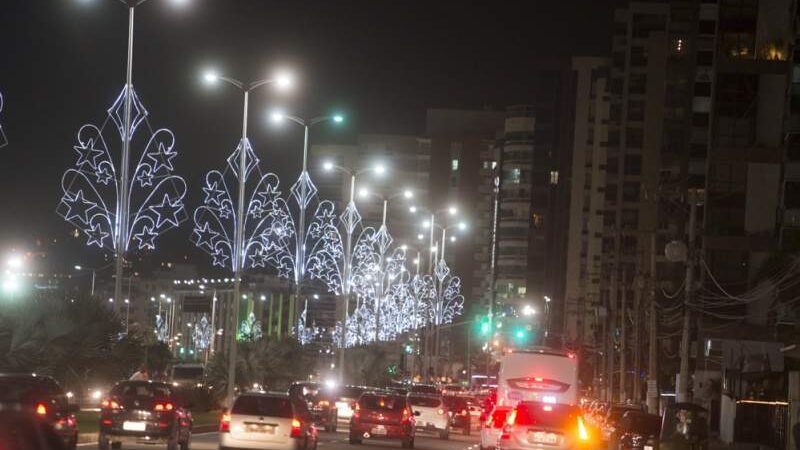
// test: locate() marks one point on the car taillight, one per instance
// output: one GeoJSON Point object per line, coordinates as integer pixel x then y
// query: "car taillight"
{"type": "Point", "coordinates": [324, 403]}
{"type": "Point", "coordinates": [464, 412]}
{"type": "Point", "coordinates": [296, 428]}
{"type": "Point", "coordinates": [225, 423]}
{"type": "Point", "coordinates": [583, 433]}
{"type": "Point", "coordinates": [110, 404]}
{"type": "Point", "coordinates": [440, 411]}
{"type": "Point", "coordinates": [41, 409]}
{"type": "Point", "coordinates": [164, 406]}
{"type": "Point", "coordinates": [406, 415]}
{"type": "Point", "coordinates": [512, 418]}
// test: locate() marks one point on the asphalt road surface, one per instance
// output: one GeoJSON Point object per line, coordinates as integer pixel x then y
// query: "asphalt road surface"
{"type": "Point", "coordinates": [335, 441]}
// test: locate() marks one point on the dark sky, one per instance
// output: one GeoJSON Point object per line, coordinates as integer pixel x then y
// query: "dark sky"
{"type": "Point", "coordinates": [381, 62]}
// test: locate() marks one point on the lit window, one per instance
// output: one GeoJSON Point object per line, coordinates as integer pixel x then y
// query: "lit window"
{"type": "Point", "coordinates": [522, 290]}
{"type": "Point", "coordinates": [494, 164]}
{"type": "Point", "coordinates": [537, 220]}
{"type": "Point", "coordinates": [454, 165]}
{"type": "Point", "coordinates": [553, 177]}
{"type": "Point", "coordinates": [516, 173]}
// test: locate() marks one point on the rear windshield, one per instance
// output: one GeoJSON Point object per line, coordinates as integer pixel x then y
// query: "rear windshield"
{"type": "Point", "coordinates": [140, 391]}
{"type": "Point", "coordinates": [431, 402]}
{"type": "Point", "coordinates": [187, 373]}
{"type": "Point", "coordinates": [457, 403]}
{"type": "Point", "coordinates": [557, 416]}
{"type": "Point", "coordinates": [252, 405]}
{"type": "Point", "coordinates": [424, 388]}
{"type": "Point", "coordinates": [25, 390]}
{"type": "Point", "coordinates": [351, 392]}
{"type": "Point", "coordinates": [382, 402]}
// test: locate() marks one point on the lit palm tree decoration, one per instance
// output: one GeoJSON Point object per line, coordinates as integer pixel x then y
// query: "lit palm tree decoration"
{"type": "Point", "coordinates": [202, 333]}
{"type": "Point", "coordinates": [250, 330]}
{"type": "Point", "coordinates": [448, 302]}
{"type": "Point", "coordinates": [113, 210]}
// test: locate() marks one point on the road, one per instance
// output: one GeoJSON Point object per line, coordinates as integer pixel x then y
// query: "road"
{"type": "Point", "coordinates": [336, 441]}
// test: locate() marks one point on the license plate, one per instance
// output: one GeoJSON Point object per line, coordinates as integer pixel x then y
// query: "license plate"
{"type": "Point", "coordinates": [379, 430]}
{"type": "Point", "coordinates": [648, 447]}
{"type": "Point", "coordinates": [258, 428]}
{"type": "Point", "coordinates": [542, 437]}
{"type": "Point", "coordinates": [134, 426]}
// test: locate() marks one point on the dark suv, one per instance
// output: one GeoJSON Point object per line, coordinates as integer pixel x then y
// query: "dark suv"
{"type": "Point", "coordinates": [383, 415]}
{"type": "Point", "coordinates": [321, 403]}
{"type": "Point", "coordinates": [144, 412]}
{"type": "Point", "coordinates": [42, 397]}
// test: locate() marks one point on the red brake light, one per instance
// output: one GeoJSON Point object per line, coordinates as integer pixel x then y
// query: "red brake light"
{"type": "Point", "coordinates": [512, 418]}
{"type": "Point", "coordinates": [110, 404]}
{"type": "Point", "coordinates": [463, 412]}
{"type": "Point", "coordinates": [41, 409]}
{"type": "Point", "coordinates": [225, 423]}
{"type": "Point", "coordinates": [296, 428]}
{"type": "Point", "coordinates": [406, 415]}
{"type": "Point", "coordinates": [164, 406]}
{"type": "Point", "coordinates": [356, 411]}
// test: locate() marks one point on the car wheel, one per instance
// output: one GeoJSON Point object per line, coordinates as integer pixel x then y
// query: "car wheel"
{"type": "Point", "coordinates": [185, 443]}
{"type": "Point", "coordinates": [445, 435]}
{"type": "Point", "coordinates": [354, 440]}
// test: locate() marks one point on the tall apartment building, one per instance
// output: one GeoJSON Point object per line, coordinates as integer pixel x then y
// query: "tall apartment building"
{"type": "Point", "coordinates": [698, 99]}
{"type": "Point", "coordinates": [587, 183]}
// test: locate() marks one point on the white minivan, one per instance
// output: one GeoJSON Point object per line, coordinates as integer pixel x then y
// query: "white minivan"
{"type": "Point", "coordinates": [538, 375]}
{"type": "Point", "coordinates": [273, 421]}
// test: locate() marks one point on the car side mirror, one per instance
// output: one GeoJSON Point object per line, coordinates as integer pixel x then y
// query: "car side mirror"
{"type": "Point", "coordinates": [416, 413]}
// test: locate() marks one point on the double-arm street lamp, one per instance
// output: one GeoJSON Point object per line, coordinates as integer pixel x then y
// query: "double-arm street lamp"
{"type": "Point", "coordinates": [305, 191]}
{"type": "Point", "coordinates": [282, 81]}
{"type": "Point", "coordinates": [350, 218]}
{"type": "Point", "coordinates": [364, 193]}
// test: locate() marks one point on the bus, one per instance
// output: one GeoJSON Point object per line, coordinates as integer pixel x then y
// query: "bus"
{"type": "Point", "coordinates": [539, 374]}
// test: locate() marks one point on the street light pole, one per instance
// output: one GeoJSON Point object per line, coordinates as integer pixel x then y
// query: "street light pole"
{"type": "Point", "coordinates": [695, 198]}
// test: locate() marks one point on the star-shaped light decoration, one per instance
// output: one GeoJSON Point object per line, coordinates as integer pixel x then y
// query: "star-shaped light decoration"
{"type": "Point", "coordinates": [162, 158]}
{"type": "Point", "coordinates": [256, 211]}
{"type": "Point", "coordinates": [224, 211]}
{"type": "Point", "coordinates": [145, 178]}
{"type": "Point", "coordinates": [78, 207]}
{"type": "Point", "coordinates": [96, 235]}
{"type": "Point", "coordinates": [205, 236]}
{"type": "Point", "coordinates": [220, 258]}
{"type": "Point", "coordinates": [259, 258]}
{"type": "Point", "coordinates": [167, 211]}
{"type": "Point", "coordinates": [103, 174]}
{"type": "Point", "coordinates": [87, 154]}
{"type": "Point", "coordinates": [146, 238]}
{"type": "Point", "coordinates": [213, 194]}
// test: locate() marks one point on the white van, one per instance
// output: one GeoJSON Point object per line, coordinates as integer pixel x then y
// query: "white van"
{"type": "Point", "coordinates": [540, 374]}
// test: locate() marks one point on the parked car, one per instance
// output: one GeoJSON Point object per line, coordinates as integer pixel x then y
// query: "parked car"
{"type": "Point", "coordinates": [613, 417]}
{"type": "Point", "coordinates": [536, 425]}
{"type": "Point", "coordinates": [260, 420]}
{"type": "Point", "coordinates": [43, 398]}
{"type": "Point", "coordinates": [345, 402]}
{"type": "Point", "coordinates": [320, 401]}
{"type": "Point", "coordinates": [144, 412]}
{"type": "Point", "coordinates": [383, 415]}
{"type": "Point", "coordinates": [21, 430]}
{"type": "Point", "coordinates": [639, 431]}
{"type": "Point", "coordinates": [492, 428]}
{"type": "Point", "coordinates": [433, 416]}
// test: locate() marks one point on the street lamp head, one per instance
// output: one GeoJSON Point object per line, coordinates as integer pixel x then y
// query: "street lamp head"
{"type": "Point", "coordinates": [277, 116]}
{"type": "Point", "coordinates": [452, 238]}
{"type": "Point", "coordinates": [14, 262]}
{"type": "Point", "coordinates": [210, 77]}
{"type": "Point", "coordinates": [78, 267]}
{"type": "Point", "coordinates": [338, 118]}
{"type": "Point", "coordinates": [420, 236]}
{"type": "Point", "coordinates": [547, 299]}
{"type": "Point", "coordinates": [408, 193]}
{"type": "Point", "coordinates": [283, 80]}
{"type": "Point", "coordinates": [363, 192]}
{"type": "Point", "coordinates": [404, 247]}
{"type": "Point", "coordinates": [328, 166]}
{"type": "Point", "coordinates": [426, 224]}
{"type": "Point", "coordinates": [380, 169]}
{"type": "Point", "coordinates": [412, 209]}
{"type": "Point", "coordinates": [452, 210]}
{"type": "Point", "coordinates": [462, 226]}
{"type": "Point", "coordinates": [434, 248]}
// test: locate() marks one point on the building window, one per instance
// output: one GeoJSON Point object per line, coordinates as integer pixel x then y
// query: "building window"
{"type": "Point", "coordinates": [522, 290]}
{"type": "Point", "coordinates": [537, 221]}
{"type": "Point", "coordinates": [454, 165]}
{"type": "Point", "coordinates": [494, 164]}
{"type": "Point", "coordinates": [516, 174]}
{"type": "Point", "coordinates": [553, 177]}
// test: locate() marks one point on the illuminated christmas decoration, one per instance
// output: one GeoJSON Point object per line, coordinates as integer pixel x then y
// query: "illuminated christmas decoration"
{"type": "Point", "coordinates": [448, 302]}
{"type": "Point", "coordinates": [91, 197]}
{"type": "Point", "coordinates": [202, 334]}
{"type": "Point", "coordinates": [161, 331]}
{"type": "Point", "coordinates": [250, 329]}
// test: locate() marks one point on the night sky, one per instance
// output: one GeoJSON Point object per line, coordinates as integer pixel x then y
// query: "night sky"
{"type": "Point", "coordinates": [380, 62]}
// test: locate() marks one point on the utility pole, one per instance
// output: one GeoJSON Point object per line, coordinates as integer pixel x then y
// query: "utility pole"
{"type": "Point", "coordinates": [695, 197]}
{"type": "Point", "coordinates": [623, 338]}
{"type": "Point", "coordinates": [637, 345]}
{"type": "Point", "coordinates": [610, 331]}
{"type": "Point", "coordinates": [652, 356]}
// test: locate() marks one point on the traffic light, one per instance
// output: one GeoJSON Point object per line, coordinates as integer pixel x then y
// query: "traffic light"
{"type": "Point", "coordinates": [484, 325]}
{"type": "Point", "coordinates": [520, 335]}
{"type": "Point", "coordinates": [409, 349]}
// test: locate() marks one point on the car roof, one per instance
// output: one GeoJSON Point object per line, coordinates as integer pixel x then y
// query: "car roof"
{"type": "Point", "coordinates": [26, 376]}
{"type": "Point", "coordinates": [265, 394]}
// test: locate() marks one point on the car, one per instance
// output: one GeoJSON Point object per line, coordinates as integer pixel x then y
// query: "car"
{"type": "Point", "coordinates": [320, 401]}
{"type": "Point", "coordinates": [383, 415]}
{"type": "Point", "coordinates": [613, 418]}
{"type": "Point", "coordinates": [536, 425]}
{"type": "Point", "coordinates": [43, 398]}
{"type": "Point", "coordinates": [345, 402]}
{"type": "Point", "coordinates": [464, 413]}
{"type": "Point", "coordinates": [433, 416]}
{"type": "Point", "coordinates": [271, 420]}
{"type": "Point", "coordinates": [639, 431]}
{"type": "Point", "coordinates": [418, 388]}
{"type": "Point", "coordinates": [492, 428]}
{"type": "Point", "coordinates": [20, 430]}
{"type": "Point", "coordinates": [144, 412]}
